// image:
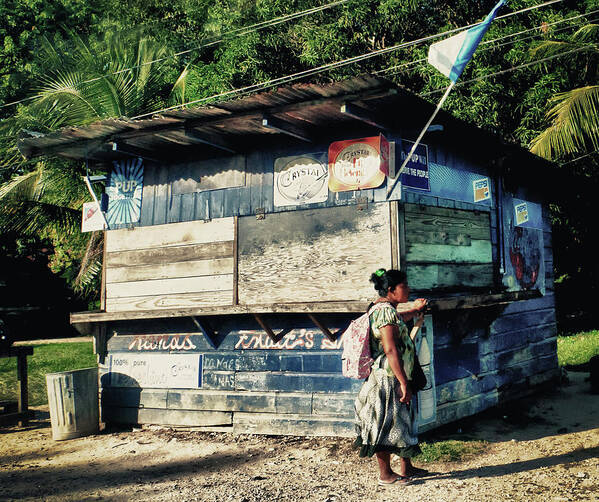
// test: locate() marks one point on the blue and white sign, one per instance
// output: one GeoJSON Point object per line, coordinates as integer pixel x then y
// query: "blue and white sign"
{"type": "Point", "coordinates": [415, 174]}
{"type": "Point", "coordinates": [481, 189]}
{"type": "Point", "coordinates": [124, 191]}
{"type": "Point", "coordinates": [527, 214]}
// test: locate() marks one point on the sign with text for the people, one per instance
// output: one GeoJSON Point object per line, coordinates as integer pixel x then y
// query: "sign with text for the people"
{"type": "Point", "coordinates": [415, 174]}
{"type": "Point", "coordinates": [162, 371]}
{"type": "Point", "coordinates": [358, 164]}
{"type": "Point", "coordinates": [91, 217]}
{"type": "Point", "coordinates": [124, 189]}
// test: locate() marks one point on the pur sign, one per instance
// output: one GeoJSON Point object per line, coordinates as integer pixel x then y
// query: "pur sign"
{"type": "Point", "coordinates": [124, 191]}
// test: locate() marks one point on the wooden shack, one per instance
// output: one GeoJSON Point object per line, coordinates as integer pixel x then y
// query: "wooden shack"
{"type": "Point", "coordinates": [237, 253]}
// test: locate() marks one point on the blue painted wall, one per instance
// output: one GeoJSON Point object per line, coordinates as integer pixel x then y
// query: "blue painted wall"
{"type": "Point", "coordinates": [502, 354]}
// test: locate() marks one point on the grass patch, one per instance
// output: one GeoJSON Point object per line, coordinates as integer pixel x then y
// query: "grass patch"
{"type": "Point", "coordinates": [577, 349]}
{"type": "Point", "coordinates": [450, 450]}
{"type": "Point", "coordinates": [48, 358]}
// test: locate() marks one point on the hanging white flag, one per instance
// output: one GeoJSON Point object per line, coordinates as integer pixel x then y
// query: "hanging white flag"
{"type": "Point", "coordinates": [450, 56]}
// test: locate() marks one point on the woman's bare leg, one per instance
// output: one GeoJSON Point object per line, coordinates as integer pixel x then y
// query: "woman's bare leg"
{"type": "Point", "coordinates": [405, 466]}
{"type": "Point", "coordinates": [384, 460]}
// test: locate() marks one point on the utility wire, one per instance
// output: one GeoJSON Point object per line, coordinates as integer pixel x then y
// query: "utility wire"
{"type": "Point", "coordinates": [513, 68]}
{"type": "Point", "coordinates": [326, 67]}
{"type": "Point", "coordinates": [579, 158]}
{"type": "Point", "coordinates": [280, 20]}
{"type": "Point", "coordinates": [487, 42]}
{"type": "Point", "coordinates": [329, 66]}
{"type": "Point", "coordinates": [238, 32]}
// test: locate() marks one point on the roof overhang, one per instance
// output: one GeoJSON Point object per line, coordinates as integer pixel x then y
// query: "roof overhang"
{"type": "Point", "coordinates": [300, 113]}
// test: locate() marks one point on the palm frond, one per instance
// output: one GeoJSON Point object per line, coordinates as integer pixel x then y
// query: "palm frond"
{"type": "Point", "coordinates": [177, 95]}
{"type": "Point", "coordinates": [588, 33]}
{"type": "Point", "coordinates": [91, 263]}
{"type": "Point", "coordinates": [574, 124]}
{"type": "Point", "coordinates": [25, 186]}
{"type": "Point", "coordinates": [550, 48]}
{"type": "Point", "coordinates": [37, 218]}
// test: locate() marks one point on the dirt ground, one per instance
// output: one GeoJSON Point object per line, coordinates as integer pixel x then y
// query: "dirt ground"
{"type": "Point", "coordinates": [545, 448]}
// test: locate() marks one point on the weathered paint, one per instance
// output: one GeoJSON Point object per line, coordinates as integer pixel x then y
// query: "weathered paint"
{"type": "Point", "coordinates": [294, 386]}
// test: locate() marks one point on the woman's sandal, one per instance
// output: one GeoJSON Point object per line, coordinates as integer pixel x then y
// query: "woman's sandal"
{"type": "Point", "coordinates": [403, 480]}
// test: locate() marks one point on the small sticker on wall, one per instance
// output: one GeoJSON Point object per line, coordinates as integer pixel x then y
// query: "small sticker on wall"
{"type": "Point", "coordinates": [481, 189]}
{"type": "Point", "coordinates": [521, 213]}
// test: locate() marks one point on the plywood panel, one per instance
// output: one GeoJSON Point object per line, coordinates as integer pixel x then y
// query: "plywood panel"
{"type": "Point", "coordinates": [313, 255]}
{"type": "Point", "coordinates": [171, 301]}
{"type": "Point", "coordinates": [172, 234]}
{"type": "Point", "coordinates": [209, 250]}
{"type": "Point", "coordinates": [171, 286]}
{"type": "Point", "coordinates": [195, 268]}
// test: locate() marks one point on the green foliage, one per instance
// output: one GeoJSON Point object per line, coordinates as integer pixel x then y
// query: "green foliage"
{"type": "Point", "coordinates": [450, 450]}
{"type": "Point", "coordinates": [573, 117]}
{"type": "Point", "coordinates": [47, 358]}
{"type": "Point", "coordinates": [578, 348]}
{"type": "Point", "coordinates": [79, 74]}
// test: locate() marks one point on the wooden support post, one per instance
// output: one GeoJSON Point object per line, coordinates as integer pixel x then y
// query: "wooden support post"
{"type": "Point", "coordinates": [274, 337]}
{"type": "Point", "coordinates": [235, 260]}
{"type": "Point", "coordinates": [401, 235]}
{"type": "Point", "coordinates": [331, 336]}
{"type": "Point", "coordinates": [103, 284]}
{"type": "Point", "coordinates": [22, 390]}
{"type": "Point", "coordinates": [206, 331]}
{"type": "Point", "coordinates": [394, 225]}
{"type": "Point", "coordinates": [285, 128]}
{"type": "Point", "coordinates": [362, 115]}
{"type": "Point", "coordinates": [100, 341]}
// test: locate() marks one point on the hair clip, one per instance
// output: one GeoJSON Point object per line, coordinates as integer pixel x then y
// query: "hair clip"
{"type": "Point", "coordinates": [380, 272]}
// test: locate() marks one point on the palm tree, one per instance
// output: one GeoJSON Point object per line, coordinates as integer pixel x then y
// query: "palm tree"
{"type": "Point", "coordinates": [125, 75]}
{"type": "Point", "coordinates": [574, 114]}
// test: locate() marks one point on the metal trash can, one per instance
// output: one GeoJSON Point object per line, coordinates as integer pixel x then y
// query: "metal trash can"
{"type": "Point", "coordinates": [73, 403]}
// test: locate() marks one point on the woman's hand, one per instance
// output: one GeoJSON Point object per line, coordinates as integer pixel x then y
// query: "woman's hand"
{"type": "Point", "coordinates": [404, 393]}
{"type": "Point", "coordinates": [419, 321]}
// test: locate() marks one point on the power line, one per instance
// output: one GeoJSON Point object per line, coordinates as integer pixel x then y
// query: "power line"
{"type": "Point", "coordinates": [511, 35]}
{"type": "Point", "coordinates": [329, 66]}
{"type": "Point", "coordinates": [238, 32]}
{"type": "Point", "coordinates": [579, 158]}
{"type": "Point", "coordinates": [513, 68]}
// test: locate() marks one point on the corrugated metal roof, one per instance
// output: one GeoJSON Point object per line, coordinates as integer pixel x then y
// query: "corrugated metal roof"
{"type": "Point", "coordinates": [297, 112]}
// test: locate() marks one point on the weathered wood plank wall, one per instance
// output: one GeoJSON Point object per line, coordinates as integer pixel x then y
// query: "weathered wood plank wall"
{"type": "Point", "coordinates": [172, 265]}
{"type": "Point", "coordinates": [295, 387]}
{"type": "Point", "coordinates": [250, 383]}
{"type": "Point", "coordinates": [323, 254]}
{"type": "Point", "coordinates": [448, 248]}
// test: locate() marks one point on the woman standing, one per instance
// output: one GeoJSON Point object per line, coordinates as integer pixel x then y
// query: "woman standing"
{"type": "Point", "coordinates": [384, 415]}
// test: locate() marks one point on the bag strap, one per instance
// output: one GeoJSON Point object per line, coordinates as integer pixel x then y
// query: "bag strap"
{"type": "Point", "coordinates": [375, 306]}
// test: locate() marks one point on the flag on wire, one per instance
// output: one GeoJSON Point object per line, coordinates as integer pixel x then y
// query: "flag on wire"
{"type": "Point", "coordinates": [450, 56]}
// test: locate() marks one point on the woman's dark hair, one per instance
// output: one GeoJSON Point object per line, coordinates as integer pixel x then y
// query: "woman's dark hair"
{"type": "Point", "coordinates": [385, 279]}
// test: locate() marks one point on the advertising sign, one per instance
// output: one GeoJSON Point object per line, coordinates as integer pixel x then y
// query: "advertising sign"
{"type": "Point", "coordinates": [521, 211]}
{"type": "Point", "coordinates": [159, 371]}
{"type": "Point", "coordinates": [415, 174]}
{"type": "Point", "coordinates": [124, 191]}
{"type": "Point", "coordinates": [301, 180]}
{"type": "Point", "coordinates": [358, 164]}
{"type": "Point", "coordinates": [91, 218]}
{"type": "Point", "coordinates": [481, 189]}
